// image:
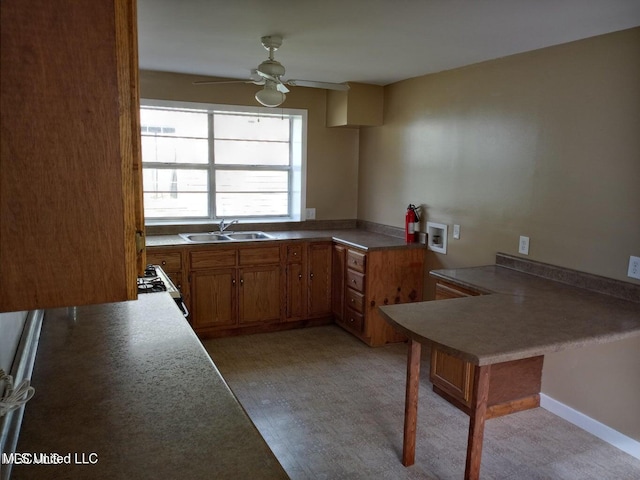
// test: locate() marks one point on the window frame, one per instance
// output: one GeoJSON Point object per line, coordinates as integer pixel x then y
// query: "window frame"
{"type": "Point", "coordinates": [296, 170]}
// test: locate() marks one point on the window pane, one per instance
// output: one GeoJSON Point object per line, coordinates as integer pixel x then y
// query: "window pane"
{"type": "Point", "coordinates": [251, 181]}
{"type": "Point", "coordinates": [170, 180]}
{"type": "Point", "coordinates": [251, 153]}
{"type": "Point", "coordinates": [177, 204]}
{"type": "Point", "coordinates": [251, 127]}
{"type": "Point", "coordinates": [251, 204]}
{"type": "Point", "coordinates": [174, 150]}
{"type": "Point", "coordinates": [174, 123]}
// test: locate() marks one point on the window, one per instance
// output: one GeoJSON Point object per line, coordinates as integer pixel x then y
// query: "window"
{"type": "Point", "coordinates": [204, 162]}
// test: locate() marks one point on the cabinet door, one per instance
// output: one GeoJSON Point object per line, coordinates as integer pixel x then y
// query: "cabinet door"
{"type": "Point", "coordinates": [213, 298]}
{"type": "Point", "coordinates": [319, 279]}
{"type": "Point", "coordinates": [295, 292]}
{"type": "Point", "coordinates": [260, 294]}
{"type": "Point", "coordinates": [450, 375]}
{"type": "Point", "coordinates": [338, 277]}
{"type": "Point", "coordinates": [70, 199]}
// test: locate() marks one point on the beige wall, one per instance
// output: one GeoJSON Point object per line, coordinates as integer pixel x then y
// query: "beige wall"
{"type": "Point", "coordinates": [544, 144]}
{"type": "Point", "coordinates": [332, 153]}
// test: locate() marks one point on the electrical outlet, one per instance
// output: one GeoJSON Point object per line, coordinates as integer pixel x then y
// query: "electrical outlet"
{"type": "Point", "coordinates": [456, 232]}
{"type": "Point", "coordinates": [310, 214]}
{"type": "Point", "coordinates": [523, 246]}
{"type": "Point", "coordinates": [634, 267]}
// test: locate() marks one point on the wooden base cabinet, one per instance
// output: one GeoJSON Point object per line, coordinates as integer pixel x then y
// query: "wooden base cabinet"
{"type": "Point", "coordinates": [513, 386]}
{"type": "Point", "coordinates": [308, 282]}
{"type": "Point", "coordinates": [319, 279]}
{"type": "Point", "coordinates": [235, 287]}
{"type": "Point", "coordinates": [371, 279]}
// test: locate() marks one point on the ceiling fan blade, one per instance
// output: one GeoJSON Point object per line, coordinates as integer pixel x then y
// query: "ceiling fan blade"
{"type": "Point", "coordinates": [266, 76]}
{"type": "Point", "coordinates": [282, 88]}
{"type": "Point", "coordinates": [326, 85]}
{"type": "Point", "coordinates": [222, 82]}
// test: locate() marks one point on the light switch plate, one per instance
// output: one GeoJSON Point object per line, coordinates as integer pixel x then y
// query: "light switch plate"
{"type": "Point", "coordinates": [310, 214]}
{"type": "Point", "coordinates": [523, 246]}
{"type": "Point", "coordinates": [634, 267]}
{"type": "Point", "coordinates": [456, 232]}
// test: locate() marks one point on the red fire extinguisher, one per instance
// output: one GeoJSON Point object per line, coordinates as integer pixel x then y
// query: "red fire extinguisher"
{"type": "Point", "coordinates": [411, 225]}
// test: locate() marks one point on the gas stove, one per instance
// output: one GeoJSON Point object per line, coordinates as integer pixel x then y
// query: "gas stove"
{"type": "Point", "coordinates": [154, 279]}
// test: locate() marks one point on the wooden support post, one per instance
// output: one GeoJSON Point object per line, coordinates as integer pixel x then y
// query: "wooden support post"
{"type": "Point", "coordinates": [476, 421]}
{"type": "Point", "coordinates": [411, 404]}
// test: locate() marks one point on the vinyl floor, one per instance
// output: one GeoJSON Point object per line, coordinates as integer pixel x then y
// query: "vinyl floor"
{"type": "Point", "coordinates": [331, 407]}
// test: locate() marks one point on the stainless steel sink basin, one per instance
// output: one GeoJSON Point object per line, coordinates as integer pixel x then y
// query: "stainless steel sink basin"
{"type": "Point", "coordinates": [224, 237]}
{"type": "Point", "coordinates": [205, 237]}
{"type": "Point", "coordinates": [248, 236]}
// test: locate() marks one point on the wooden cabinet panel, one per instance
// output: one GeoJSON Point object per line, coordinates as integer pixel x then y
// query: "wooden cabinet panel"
{"type": "Point", "coordinates": [169, 261]}
{"type": "Point", "coordinates": [446, 290]}
{"type": "Point", "coordinates": [70, 175]}
{"type": "Point", "coordinates": [355, 280]}
{"type": "Point", "coordinates": [356, 261]}
{"type": "Point", "coordinates": [319, 279]}
{"type": "Point", "coordinates": [452, 375]}
{"type": "Point", "coordinates": [338, 274]}
{"type": "Point", "coordinates": [355, 300]}
{"type": "Point", "coordinates": [294, 252]}
{"type": "Point", "coordinates": [213, 259]}
{"type": "Point", "coordinates": [260, 294]}
{"type": "Point", "coordinates": [213, 298]}
{"type": "Point", "coordinates": [354, 320]}
{"type": "Point", "coordinates": [296, 292]}
{"type": "Point", "coordinates": [259, 256]}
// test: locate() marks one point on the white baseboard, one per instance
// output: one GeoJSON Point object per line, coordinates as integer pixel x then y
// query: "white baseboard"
{"type": "Point", "coordinates": [600, 430]}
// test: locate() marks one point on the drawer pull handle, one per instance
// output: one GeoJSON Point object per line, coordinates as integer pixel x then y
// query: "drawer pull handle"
{"type": "Point", "coordinates": [353, 300]}
{"type": "Point", "coordinates": [164, 262]}
{"type": "Point", "coordinates": [354, 281]}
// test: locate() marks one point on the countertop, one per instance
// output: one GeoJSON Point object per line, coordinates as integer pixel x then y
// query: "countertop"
{"type": "Point", "coordinates": [520, 316]}
{"type": "Point", "coordinates": [131, 383]}
{"type": "Point", "coordinates": [358, 238]}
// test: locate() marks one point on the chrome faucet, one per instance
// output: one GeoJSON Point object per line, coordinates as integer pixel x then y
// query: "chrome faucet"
{"type": "Point", "coordinates": [222, 227]}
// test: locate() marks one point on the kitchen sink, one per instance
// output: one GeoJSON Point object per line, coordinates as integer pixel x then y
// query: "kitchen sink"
{"type": "Point", "coordinates": [214, 237]}
{"type": "Point", "coordinates": [204, 237]}
{"type": "Point", "coordinates": [249, 236]}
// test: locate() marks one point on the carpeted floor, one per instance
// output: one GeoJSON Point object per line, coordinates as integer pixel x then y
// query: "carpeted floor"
{"type": "Point", "coordinates": [331, 407]}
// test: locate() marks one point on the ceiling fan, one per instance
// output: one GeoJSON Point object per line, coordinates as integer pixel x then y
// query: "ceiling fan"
{"type": "Point", "coordinates": [269, 75]}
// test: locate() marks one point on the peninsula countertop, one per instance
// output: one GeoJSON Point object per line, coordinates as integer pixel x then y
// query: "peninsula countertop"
{"type": "Point", "coordinates": [521, 316]}
{"type": "Point", "coordinates": [131, 383]}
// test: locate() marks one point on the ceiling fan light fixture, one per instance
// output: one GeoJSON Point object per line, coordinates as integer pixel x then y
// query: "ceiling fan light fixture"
{"type": "Point", "coordinates": [270, 97]}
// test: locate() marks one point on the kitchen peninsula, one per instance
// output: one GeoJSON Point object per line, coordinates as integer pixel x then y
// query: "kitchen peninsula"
{"type": "Point", "coordinates": [519, 316]}
{"type": "Point", "coordinates": [128, 388]}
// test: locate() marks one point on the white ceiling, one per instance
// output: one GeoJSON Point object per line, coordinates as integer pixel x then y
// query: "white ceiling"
{"type": "Point", "coordinates": [369, 41]}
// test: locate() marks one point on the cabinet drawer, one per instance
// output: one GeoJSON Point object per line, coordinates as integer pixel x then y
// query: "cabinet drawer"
{"type": "Point", "coordinates": [356, 260]}
{"type": "Point", "coordinates": [446, 290]}
{"type": "Point", "coordinates": [294, 253]}
{"type": "Point", "coordinates": [355, 300]}
{"type": "Point", "coordinates": [354, 320]}
{"type": "Point", "coordinates": [170, 262]}
{"type": "Point", "coordinates": [259, 256]}
{"type": "Point", "coordinates": [213, 259]}
{"type": "Point", "coordinates": [355, 280]}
